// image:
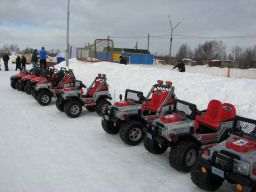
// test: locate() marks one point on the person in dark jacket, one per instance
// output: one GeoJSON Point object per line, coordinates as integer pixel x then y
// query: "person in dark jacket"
{"type": "Point", "coordinates": [17, 63]}
{"type": "Point", "coordinates": [34, 59]}
{"type": "Point", "coordinates": [180, 65]}
{"type": "Point", "coordinates": [6, 59]}
{"type": "Point", "coordinates": [123, 60]}
{"type": "Point", "coordinates": [23, 61]}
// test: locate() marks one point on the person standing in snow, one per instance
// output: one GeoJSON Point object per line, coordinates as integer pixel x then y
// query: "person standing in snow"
{"type": "Point", "coordinates": [123, 60]}
{"type": "Point", "coordinates": [34, 58]}
{"type": "Point", "coordinates": [6, 59]}
{"type": "Point", "coordinates": [23, 61]}
{"type": "Point", "coordinates": [180, 65]}
{"type": "Point", "coordinates": [43, 55]}
{"type": "Point", "coordinates": [17, 63]}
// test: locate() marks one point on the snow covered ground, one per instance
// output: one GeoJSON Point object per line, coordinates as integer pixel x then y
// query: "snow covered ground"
{"type": "Point", "coordinates": [42, 150]}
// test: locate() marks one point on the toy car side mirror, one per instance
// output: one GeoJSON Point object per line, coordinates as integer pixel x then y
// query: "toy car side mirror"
{"type": "Point", "coordinates": [120, 97]}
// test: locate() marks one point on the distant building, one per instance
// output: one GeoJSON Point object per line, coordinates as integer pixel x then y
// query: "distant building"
{"type": "Point", "coordinates": [133, 56]}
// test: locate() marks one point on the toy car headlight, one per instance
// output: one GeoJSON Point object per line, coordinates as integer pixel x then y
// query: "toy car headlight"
{"type": "Point", "coordinates": [242, 168]}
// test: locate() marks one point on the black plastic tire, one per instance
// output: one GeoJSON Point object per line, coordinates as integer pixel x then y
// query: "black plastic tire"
{"type": "Point", "coordinates": [34, 93]}
{"type": "Point", "coordinates": [131, 132]}
{"type": "Point", "coordinates": [44, 98]}
{"type": "Point", "coordinates": [109, 127]}
{"type": "Point", "coordinates": [183, 154]}
{"type": "Point", "coordinates": [206, 181]}
{"type": "Point", "coordinates": [13, 83]}
{"type": "Point", "coordinates": [101, 106]}
{"type": "Point", "coordinates": [91, 108]}
{"type": "Point", "coordinates": [73, 108]}
{"type": "Point", "coordinates": [153, 147]}
{"type": "Point", "coordinates": [27, 89]}
{"type": "Point", "coordinates": [18, 86]}
{"type": "Point", "coordinates": [60, 106]}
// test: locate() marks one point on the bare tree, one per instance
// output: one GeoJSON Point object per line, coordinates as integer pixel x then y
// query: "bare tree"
{"type": "Point", "coordinates": [184, 52]}
{"type": "Point", "coordinates": [210, 50]}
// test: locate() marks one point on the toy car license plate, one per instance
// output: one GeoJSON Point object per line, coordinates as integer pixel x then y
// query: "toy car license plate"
{"type": "Point", "coordinates": [149, 136]}
{"type": "Point", "coordinates": [218, 172]}
{"type": "Point", "coordinates": [106, 117]}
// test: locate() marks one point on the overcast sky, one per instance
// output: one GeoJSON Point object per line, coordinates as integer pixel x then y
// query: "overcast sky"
{"type": "Point", "coordinates": [37, 23]}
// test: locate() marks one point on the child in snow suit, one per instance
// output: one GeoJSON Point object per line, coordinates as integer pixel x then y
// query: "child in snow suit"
{"type": "Point", "coordinates": [23, 61]}
{"type": "Point", "coordinates": [17, 63]}
{"type": "Point", "coordinates": [6, 59]}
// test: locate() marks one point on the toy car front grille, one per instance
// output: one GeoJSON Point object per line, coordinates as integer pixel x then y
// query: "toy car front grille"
{"type": "Point", "coordinates": [246, 126]}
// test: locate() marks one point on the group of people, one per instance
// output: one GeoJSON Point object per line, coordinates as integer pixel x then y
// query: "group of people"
{"type": "Point", "coordinates": [21, 60]}
{"type": "Point", "coordinates": [42, 54]}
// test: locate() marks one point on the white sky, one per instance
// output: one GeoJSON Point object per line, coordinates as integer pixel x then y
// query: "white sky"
{"type": "Point", "coordinates": [43, 23]}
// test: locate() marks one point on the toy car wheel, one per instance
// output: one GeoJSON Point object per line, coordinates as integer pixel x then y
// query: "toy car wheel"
{"type": "Point", "coordinates": [153, 147]}
{"type": "Point", "coordinates": [109, 127]}
{"type": "Point", "coordinates": [44, 98]}
{"type": "Point", "coordinates": [101, 106]}
{"type": "Point", "coordinates": [60, 106]}
{"type": "Point", "coordinates": [206, 181]}
{"type": "Point", "coordinates": [34, 93]}
{"type": "Point", "coordinates": [73, 108]}
{"type": "Point", "coordinates": [27, 89]}
{"type": "Point", "coordinates": [13, 83]}
{"type": "Point", "coordinates": [18, 86]}
{"type": "Point", "coordinates": [182, 155]}
{"type": "Point", "coordinates": [131, 132]}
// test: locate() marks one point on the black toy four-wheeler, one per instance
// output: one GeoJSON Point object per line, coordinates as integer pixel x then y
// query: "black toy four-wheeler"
{"type": "Point", "coordinates": [14, 78]}
{"type": "Point", "coordinates": [186, 130]}
{"type": "Point", "coordinates": [42, 77]}
{"type": "Point", "coordinates": [129, 116]}
{"type": "Point", "coordinates": [71, 100]}
{"type": "Point", "coordinates": [44, 91]}
{"type": "Point", "coordinates": [23, 81]}
{"type": "Point", "coordinates": [233, 160]}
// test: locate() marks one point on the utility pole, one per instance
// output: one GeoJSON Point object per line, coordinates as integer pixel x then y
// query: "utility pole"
{"type": "Point", "coordinates": [67, 38]}
{"type": "Point", "coordinates": [148, 42]}
{"type": "Point", "coordinates": [136, 46]}
{"type": "Point", "coordinates": [108, 48]}
{"type": "Point", "coordinates": [172, 29]}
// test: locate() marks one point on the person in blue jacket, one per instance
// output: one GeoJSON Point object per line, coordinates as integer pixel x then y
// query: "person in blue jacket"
{"type": "Point", "coordinates": [43, 54]}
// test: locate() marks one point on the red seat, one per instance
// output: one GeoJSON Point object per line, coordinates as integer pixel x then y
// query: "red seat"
{"type": "Point", "coordinates": [67, 79]}
{"type": "Point", "coordinates": [96, 85]}
{"type": "Point", "coordinates": [156, 101]}
{"type": "Point", "coordinates": [216, 112]}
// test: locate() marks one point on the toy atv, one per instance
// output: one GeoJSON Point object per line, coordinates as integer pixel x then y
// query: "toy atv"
{"type": "Point", "coordinates": [43, 74]}
{"type": "Point", "coordinates": [129, 116]}
{"type": "Point", "coordinates": [44, 91]}
{"type": "Point", "coordinates": [233, 160]}
{"type": "Point", "coordinates": [71, 100]}
{"type": "Point", "coordinates": [187, 129]}
{"type": "Point", "coordinates": [14, 79]}
{"type": "Point", "coordinates": [22, 82]}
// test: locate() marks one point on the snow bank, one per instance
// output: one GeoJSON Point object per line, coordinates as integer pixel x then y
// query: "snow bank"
{"type": "Point", "coordinates": [42, 150]}
{"type": "Point", "coordinates": [195, 88]}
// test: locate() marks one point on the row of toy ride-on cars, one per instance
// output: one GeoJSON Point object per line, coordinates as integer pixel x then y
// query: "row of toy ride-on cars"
{"type": "Point", "coordinates": [163, 121]}
{"type": "Point", "coordinates": [200, 141]}
{"type": "Point", "coordinates": [62, 84]}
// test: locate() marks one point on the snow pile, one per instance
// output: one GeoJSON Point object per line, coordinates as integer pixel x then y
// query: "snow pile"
{"type": "Point", "coordinates": [195, 88]}
{"type": "Point", "coordinates": [42, 150]}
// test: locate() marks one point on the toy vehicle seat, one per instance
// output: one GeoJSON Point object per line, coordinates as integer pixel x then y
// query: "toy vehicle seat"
{"type": "Point", "coordinates": [156, 101]}
{"type": "Point", "coordinates": [216, 112]}
{"type": "Point", "coordinates": [227, 111]}
{"type": "Point", "coordinates": [96, 85]}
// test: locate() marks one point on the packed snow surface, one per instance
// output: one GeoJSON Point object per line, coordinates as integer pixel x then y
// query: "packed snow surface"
{"type": "Point", "coordinates": [43, 150]}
